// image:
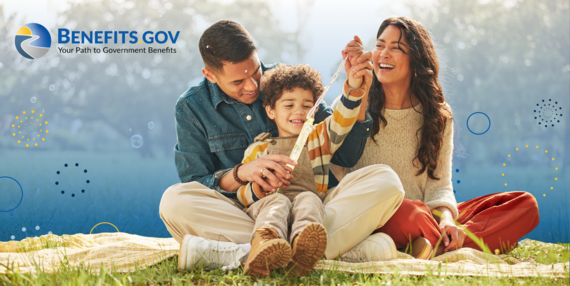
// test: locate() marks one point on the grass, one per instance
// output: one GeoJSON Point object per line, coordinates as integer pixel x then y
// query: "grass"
{"type": "Point", "coordinates": [167, 273]}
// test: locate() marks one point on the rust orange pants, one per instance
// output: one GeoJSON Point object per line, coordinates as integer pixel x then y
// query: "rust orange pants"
{"type": "Point", "coordinates": [500, 219]}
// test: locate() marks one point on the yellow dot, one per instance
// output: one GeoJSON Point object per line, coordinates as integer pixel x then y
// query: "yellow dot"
{"type": "Point", "coordinates": [552, 188]}
{"type": "Point", "coordinates": [13, 125]}
{"type": "Point", "coordinates": [19, 141]}
{"type": "Point", "coordinates": [28, 139]}
{"type": "Point", "coordinates": [505, 184]}
{"type": "Point", "coordinates": [19, 132]}
{"type": "Point", "coordinates": [544, 195]}
{"type": "Point", "coordinates": [545, 151]}
{"type": "Point", "coordinates": [41, 115]}
{"type": "Point", "coordinates": [536, 146]}
{"type": "Point", "coordinates": [556, 168]}
{"type": "Point", "coordinates": [552, 159]}
{"type": "Point", "coordinates": [140, 42]}
{"type": "Point", "coordinates": [46, 122]}
{"type": "Point", "coordinates": [40, 124]}
{"type": "Point", "coordinates": [26, 118]}
{"type": "Point", "coordinates": [22, 137]}
{"type": "Point", "coordinates": [47, 131]}
{"type": "Point", "coordinates": [509, 155]}
{"type": "Point", "coordinates": [33, 138]}
{"type": "Point", "coordinates": [37, 120]}
{"type": "Point", "coordinates": [16, 117]}
{"type": "Point", "coordinates": [21, 121]}
{"type": "Point", "coordinates": [27, 145]}
{"type": "Point", "coordinates": [18, 126]}
{"type": "Point", "coordinates": [556, 179]}
{"type": "Point", "coordinates": [517, 149]}
{"type": "Point", "coordinates": [38, 135]}
{"type": "Point", "coordinates": [503, 174]}
{"type": "Point", "coordinates": [23, 112]}
{"type": "Point", "coordinates": [13, 134]}
{"type": "Point", "coordinates": [504, 164]}
{"type": "Point", "coordinates": [33, 111]}
{"type": "Point", "coordinates": [32, 117]}
{"type": "Point", "coordinates": [36, 144]}
{"type": "Point", "coordinates": [43, 139]}
{"type": "Point", "coordinates": [40, 130]}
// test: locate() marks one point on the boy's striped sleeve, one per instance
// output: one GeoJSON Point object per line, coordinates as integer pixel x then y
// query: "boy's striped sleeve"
{"type": "Point", "coordinates": [245, 193]}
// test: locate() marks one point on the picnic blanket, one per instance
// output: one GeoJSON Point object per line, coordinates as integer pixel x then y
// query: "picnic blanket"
{"type": "Point", "coordinates": [125, 252]}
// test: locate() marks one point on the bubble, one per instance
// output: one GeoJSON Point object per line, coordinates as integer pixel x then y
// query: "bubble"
{"type": "Point", "coordinates": [37, 227]}
{"type": "Point", "coordinates": [52, 87]}
{"type": "Point", "coordinates": [151, 125]}
{"type": "Point", "coordinates": [33, 99]}
{"type": "Point", "coordinates": [23, 229]}
{"type": "Point", "coordinates": [49, 232]}
{"type": "Point", "coordinates": [12, 237]}
{"type": "Point", "coordinates": [136, 141]}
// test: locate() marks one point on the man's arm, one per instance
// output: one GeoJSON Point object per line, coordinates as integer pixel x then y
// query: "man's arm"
{"type": "Point", "coordinates": [194, 161]}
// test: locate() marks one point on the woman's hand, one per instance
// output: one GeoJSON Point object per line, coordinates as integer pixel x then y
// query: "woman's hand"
{"type": "Point", "coordinates": [448, 228]}
{"type": "Point", "coordinates": [359, 63]}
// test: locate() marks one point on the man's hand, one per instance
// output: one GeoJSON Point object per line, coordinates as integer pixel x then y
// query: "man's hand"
{"type": "Point", "coordinates": [274, 175]}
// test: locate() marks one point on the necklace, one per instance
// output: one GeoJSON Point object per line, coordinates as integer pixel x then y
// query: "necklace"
{"type": "Point", "coordinates": [387, 113]}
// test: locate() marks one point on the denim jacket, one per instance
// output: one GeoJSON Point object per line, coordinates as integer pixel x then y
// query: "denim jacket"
{"type": "Point", "coordinates": [213, 131]}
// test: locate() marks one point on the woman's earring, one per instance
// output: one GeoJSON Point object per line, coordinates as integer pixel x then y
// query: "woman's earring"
{"type": "Point", "coordinates": [415, 74]}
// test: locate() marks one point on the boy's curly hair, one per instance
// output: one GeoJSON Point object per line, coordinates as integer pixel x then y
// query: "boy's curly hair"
{"type": "Point", "coordinates": [285, 78]}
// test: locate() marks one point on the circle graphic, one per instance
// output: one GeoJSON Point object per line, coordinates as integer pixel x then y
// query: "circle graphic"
{"type": "Point", "coordinates": [517, 150]}
{"type": "Point", "coordinates": [33, 99]}
{"type": "Point", "coordinates": [483, 131]}
{"type": "Point", "coordinates": [28, 128]}
{"type": "Point", "coordinates": [21, 190]}
{"type": "Point", "coordinates": [151, 125]}
{"type": "Point", "coordinates": [103, 223]}
{"type": "Point", "coordinates": [136, 141]}
{"type": "Point", "coordinates": [58, 173]}
{"type": "Point", "coordinates": [547, 113]}
{"type": "Point", "coordinates": [33, 41]}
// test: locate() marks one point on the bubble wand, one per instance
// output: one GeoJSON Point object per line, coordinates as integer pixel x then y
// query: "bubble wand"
{"type": "Point", "coordinates": [308, 126]}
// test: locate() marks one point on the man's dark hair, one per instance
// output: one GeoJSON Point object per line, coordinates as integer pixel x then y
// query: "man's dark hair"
{"type": "Point", "coordinates": [225, 40]}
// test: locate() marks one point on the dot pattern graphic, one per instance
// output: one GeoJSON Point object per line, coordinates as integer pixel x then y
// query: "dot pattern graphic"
{"type": "Point", "coordinates": [547, 113]}
{"type": "Point", "coordinates": [545, 151]}
{"type": "Point", "coordinates": [29, 128]}
{"type": "Point", "coordinates": [77, 167]}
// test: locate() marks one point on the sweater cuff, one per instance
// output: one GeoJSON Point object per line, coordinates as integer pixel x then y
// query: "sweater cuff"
{"type": "Point", "coordinates": [441, 203]}
{"type": "Point", "coordinates": [246, 196]}
{"type": "Point", "coordinates": [353, 94]}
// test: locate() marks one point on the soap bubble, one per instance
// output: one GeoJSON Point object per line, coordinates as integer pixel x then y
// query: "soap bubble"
{"type": "Point", "coordinates": [33, 99]}
{"type": "Point", "coordinates": [12, 237]}
{"type": "Point", "coordinates": [151, 125]}
{"type": "Point", "coordinates": [136, 141]}
{"type": "Point", "coordinates": [52, 87]}
{"type": "Point", "coordinates": [37, 227]}
{"type": "Point", "coordinates": [49, 232]}
{"type": "Point", "coordinates": [23, 229]}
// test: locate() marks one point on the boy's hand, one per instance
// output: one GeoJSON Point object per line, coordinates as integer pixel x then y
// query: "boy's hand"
{"type": "Point", "coordinates": [353, 50]}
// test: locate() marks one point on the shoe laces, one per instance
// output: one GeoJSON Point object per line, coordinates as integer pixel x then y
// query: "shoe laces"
{"type": "Point", "coordinates": [220, 254]}
{"type": "Point", "coordinates": [267, 233]}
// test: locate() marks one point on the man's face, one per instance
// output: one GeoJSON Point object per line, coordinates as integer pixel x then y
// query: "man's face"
{"type": "Point", "coordinates": [239, 81]}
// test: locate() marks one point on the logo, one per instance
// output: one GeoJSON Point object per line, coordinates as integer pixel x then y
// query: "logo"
{"type": "Point", "coordinates": [33, 41]}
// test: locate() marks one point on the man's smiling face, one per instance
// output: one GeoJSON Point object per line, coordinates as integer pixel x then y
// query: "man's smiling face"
{"type": "Point", "coordinates": [239, 81]}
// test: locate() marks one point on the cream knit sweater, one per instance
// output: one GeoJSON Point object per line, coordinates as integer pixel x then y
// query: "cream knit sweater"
{"type": "Point", "coordinates": [396, 146]}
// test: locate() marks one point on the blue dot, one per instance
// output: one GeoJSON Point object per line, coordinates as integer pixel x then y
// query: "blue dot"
{"type": "Point", "coordinates": [457, 170]}
{"type": "Point", "coordinates": [65, 165]}
{"type": "Point", "coordinates": [76, 164]}
{"type": "Point", "coordinates": [72, 195]}
{"type": "Point", "coordinates": [85, 171]}
{"type": "Point", "coordinates": [62, 192]}
{"type": "Point", "coordinates": [87, 181]}
{"type": "Point", "coordinates": [56, 183]}
{"type": "Point", "coordinates": [454, 191]}
{"type": "Point", "coordinates": [83, 191]}
{"type": "Point", "coordinates": [58, 172]}
{"type": "Point", "coordinates": [459, 181]}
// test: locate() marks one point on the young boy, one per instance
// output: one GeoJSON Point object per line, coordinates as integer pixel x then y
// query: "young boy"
{"type": "Point", "coordinates": [289, 93]}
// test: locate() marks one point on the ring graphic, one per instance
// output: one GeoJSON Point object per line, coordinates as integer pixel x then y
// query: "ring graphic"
{"type": "Point", "coordinates": [21, 190]}
{"type": "Point", "coordinates": [103, 223]}
{"type": "Point", "coordinates": [483, 131]}
{"type": "Point", "coordinates": [33, 41]}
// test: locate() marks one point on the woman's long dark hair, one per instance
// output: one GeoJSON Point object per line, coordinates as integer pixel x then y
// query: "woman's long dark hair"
{"type": "Point", "coordinates": [424, 85]}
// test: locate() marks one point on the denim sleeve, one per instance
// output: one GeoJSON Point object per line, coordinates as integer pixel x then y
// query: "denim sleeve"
{"type": "Point", "coordinates": [192, 156]}
{"type": "Point", "coordinates": [349, 153]}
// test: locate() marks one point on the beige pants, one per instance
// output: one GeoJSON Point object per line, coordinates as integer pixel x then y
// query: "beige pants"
{"type": "Point", "coordinates": [362, 202]}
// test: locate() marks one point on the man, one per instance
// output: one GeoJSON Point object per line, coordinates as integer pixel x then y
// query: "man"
{"type": "Point", "coordinates": [215, 122]}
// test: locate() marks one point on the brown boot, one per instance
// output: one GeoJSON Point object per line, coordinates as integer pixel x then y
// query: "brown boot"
{"type": "Point", "coordinates": [268, 252]}
{"type": "Point", "coordinates": [421, 248]}
{"type": "Point", "coordinates": [308, 248]}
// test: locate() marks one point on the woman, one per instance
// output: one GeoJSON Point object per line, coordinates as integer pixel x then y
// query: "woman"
{"type": "Point", "coordinates": [413, 133]}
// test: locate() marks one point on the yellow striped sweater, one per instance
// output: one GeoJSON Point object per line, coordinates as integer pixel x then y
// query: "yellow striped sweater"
{"type": "Point", "coordinates": [323, 142]}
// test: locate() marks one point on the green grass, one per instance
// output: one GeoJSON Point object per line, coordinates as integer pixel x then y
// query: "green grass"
{"type": "Point", "coordinates": [167, 273]}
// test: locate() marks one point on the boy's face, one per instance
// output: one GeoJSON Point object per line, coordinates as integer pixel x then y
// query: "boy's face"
{"type": "Point", "coordinates": [291, 111]}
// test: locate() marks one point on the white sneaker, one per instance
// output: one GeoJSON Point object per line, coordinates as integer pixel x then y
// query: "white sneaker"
{"type": "Point", "coordinates": [377, 247]}
{"type": "Point", "coordinates": [210, 254]}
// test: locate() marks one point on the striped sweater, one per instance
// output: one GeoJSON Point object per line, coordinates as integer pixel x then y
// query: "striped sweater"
{"type": "Point", "coordinates": [323, 142]}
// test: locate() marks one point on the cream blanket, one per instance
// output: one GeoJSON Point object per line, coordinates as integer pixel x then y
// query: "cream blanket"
{"type": "Point", "coordinates": [124, 252]}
